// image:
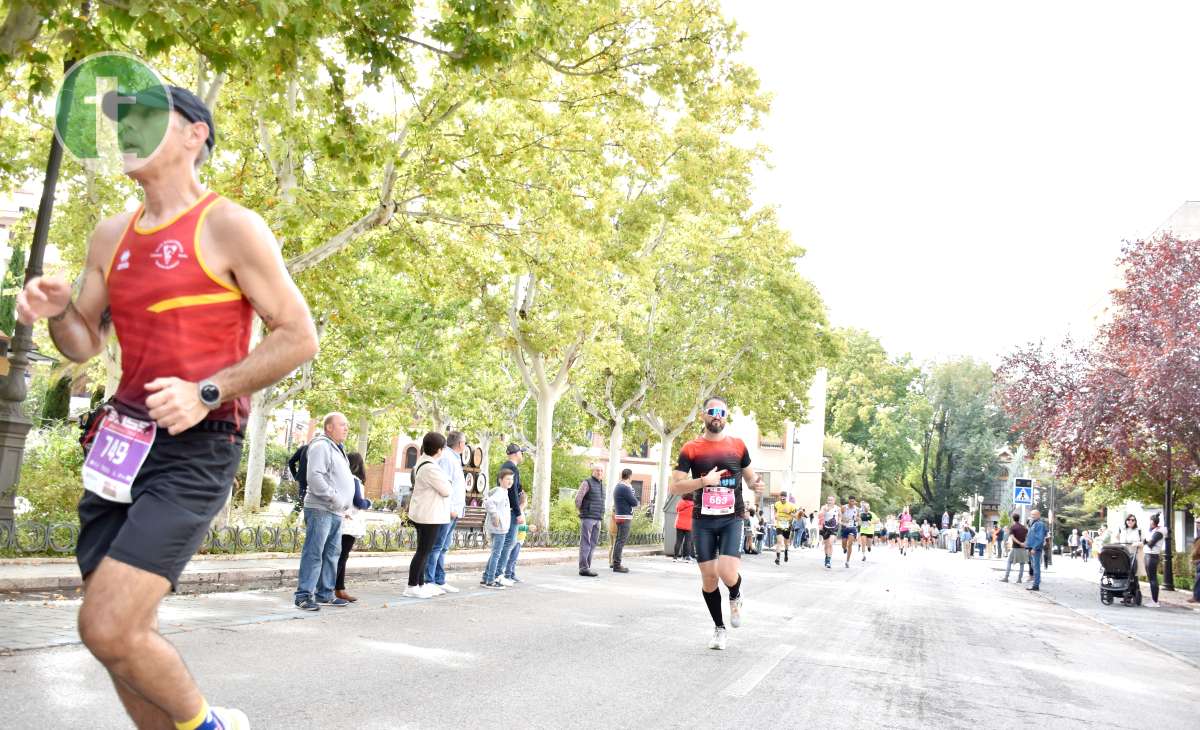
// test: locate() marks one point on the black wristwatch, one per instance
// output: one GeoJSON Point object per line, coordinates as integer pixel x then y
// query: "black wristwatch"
{"type": "Point", "coordinates": [210, 394]}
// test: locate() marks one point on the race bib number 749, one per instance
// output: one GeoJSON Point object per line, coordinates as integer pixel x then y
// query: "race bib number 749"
{"type": "Point", "coordinates": [118, 451]}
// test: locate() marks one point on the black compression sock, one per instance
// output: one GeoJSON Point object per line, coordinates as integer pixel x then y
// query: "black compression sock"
{"type": "Point", "coordinates": [735, 590]}
{"type": "Point", "coordinates": [713, 601]}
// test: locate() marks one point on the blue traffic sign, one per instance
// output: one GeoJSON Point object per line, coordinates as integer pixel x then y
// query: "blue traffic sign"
{"type": "Point", "coordinates": [1022, 495]}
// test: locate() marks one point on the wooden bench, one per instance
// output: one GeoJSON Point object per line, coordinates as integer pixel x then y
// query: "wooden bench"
{"type": "Point", "coordinates": [472, 519]}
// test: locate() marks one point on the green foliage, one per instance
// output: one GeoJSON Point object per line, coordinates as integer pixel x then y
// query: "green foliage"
{"type": "Point", "coordinates": [848, 472]}
{"type": "Point", "coordinates": [269, 485]}
{"type": "Point", "coordinates": [13, 279]}
{"type": "Point", "coordinates": [50, 474]}
{"type": "Point", "coordinates": [564, 517]}
{"type": "Point", "coordinates": [57, 407]}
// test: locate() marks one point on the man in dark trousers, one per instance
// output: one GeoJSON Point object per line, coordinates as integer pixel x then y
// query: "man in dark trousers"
{"type": "Point", "coordinates": [624, 502]}
{"type": "Point", "coordinates": [516, 455]}
{"type": "Point", "coordinates": [590, 502]}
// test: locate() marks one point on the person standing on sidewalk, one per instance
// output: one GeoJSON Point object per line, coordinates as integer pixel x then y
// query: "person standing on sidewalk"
{"type": "Point", "coordinates": [624, 502]}
{"type": "Point", "coordinates": [683, 527]}
{"type": "Point", "coordinates": [1195, 567]}
{"type": "Point", "coordinates": [589, 500]}
{"type": "Point", "coordinates": [521, 535]}
{"type": "Point", "coordinates": [1018, 554]}
{"type": "Point", "coordinates": [353, 525]}
{"type": "Point", "coordinates": [428, 510]}
{"type": "Point", "coordinates": [499, 516]}
{"type": "Point", "coordinates": [330, 494]}
{"type": "Point", "coordinates": [1155, 542]}
{"type": "Point", "coordinates": [450, 462]}
{"type": "Point", "coordinates": [516, 455]}
{"type": "Point", "coordinates": [1036, 540]}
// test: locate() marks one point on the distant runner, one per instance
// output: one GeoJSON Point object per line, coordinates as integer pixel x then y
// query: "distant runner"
{"type": "Point", "coordinates": [785, 513]}
{"type": "Point", "coordinates": [828, 519]}
{"type": "Point", "coordinates": [849, 528]}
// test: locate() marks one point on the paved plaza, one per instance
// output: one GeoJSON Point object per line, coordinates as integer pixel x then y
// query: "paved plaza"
{"type": "Point", "coordinates": [929, 640]}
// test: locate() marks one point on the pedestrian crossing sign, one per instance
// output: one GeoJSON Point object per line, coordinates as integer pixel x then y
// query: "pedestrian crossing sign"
{"type": "Point", "coordinates": [1022, 495]}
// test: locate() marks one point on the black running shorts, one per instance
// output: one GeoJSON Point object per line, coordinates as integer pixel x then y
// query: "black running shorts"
{"type": "Point", "coordinates": [784, 532]}
{"type": "Point", "coordinates": [713, 536]}
{"type": "Point", "coordinates": [182, 486]}
{"type": "Point", "coordinates": [828, 532]}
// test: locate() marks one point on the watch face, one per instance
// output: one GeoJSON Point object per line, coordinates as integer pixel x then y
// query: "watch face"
{"type": "Point", "coordinates": [210, 394]}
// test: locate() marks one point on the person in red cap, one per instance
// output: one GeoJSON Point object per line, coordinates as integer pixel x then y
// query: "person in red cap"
{"type": "Point", "coordinates": [179, 281]}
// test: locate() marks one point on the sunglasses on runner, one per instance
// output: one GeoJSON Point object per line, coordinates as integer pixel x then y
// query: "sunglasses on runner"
{"type": "Point", "coordinates": [717, 412]}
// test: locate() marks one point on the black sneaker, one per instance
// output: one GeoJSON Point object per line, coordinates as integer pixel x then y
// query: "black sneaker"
{"type": "Point", "coordinates": [777, 558]}
{"type": "Point", "coordinates": [785, 558]}
{"type": "Point", "coordinates": [620, 569]}
{"type": "Point", "coordinates": [339, 602]}
{"type": "Point", "coordinates": [308, 604]}
{"type": "Point", "coordinates": [589, 573]}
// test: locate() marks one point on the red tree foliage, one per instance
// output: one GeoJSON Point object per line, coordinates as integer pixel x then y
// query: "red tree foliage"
{"type": "Point", "coordinates": [1110, 409]}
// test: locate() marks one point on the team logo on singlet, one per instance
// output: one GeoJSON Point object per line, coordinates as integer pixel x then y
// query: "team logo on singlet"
{"type": "Point", "coordinates": [124, 262]}
{"type": "Point", "coordinates": [168, 254]}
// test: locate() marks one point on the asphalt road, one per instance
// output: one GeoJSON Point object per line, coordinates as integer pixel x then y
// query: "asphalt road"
{"type": "Point", "coordinates": [925, 641]}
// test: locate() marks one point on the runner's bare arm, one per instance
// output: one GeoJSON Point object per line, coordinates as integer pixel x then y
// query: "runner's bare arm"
{"type": "Point", "coordinates": [77, 328]}
{"type": "Point", "coordinates": [681, 483]}
{"type": "Point", "coordinates": [258, 268]}
{"type": "Point", "coordinates": [749, 477]}
{"type": "Point", "coordinates": [255, 263]}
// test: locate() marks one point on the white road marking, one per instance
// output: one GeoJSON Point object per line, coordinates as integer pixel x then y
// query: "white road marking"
{"type": "Point", "coordinates": [750, 679]}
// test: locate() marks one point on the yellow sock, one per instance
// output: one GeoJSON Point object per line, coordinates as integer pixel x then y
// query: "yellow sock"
{"type": "Point", "coordinates": [196, 721]}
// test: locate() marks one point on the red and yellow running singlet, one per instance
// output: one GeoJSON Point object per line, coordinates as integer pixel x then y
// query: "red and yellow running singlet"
{"type": "Point", "coordinates": [173, 316]}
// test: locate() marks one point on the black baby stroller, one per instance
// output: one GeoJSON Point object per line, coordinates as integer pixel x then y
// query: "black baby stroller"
{"type": "Point", "coordinates": [1120, 575]}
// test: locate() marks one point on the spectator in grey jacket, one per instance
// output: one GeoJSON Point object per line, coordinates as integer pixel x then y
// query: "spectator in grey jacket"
{"type": "Point", "coordinates": [330, 494]}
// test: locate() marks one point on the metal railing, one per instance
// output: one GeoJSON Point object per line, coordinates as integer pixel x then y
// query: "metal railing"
{"type": "Point", "coordinates": [62, 537]}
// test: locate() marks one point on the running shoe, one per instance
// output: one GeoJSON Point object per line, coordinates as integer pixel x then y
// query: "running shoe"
{"type": "Point", "coordinates": [777, 558]}
{"type": "Point", "coordinates": [308, 604]}
{"type": "Point", "coordinates": [735, 612]}
{"type": "Point", "coordinates": [718, 639]}
{"type": "Point", "coordinates": [504, 581]}
{"type": "Point", "coordinates": [1152, 604]}
{"type": "Point", "coordinates": [497, 585]}
{"type": "Point", "coordinates": [416, 592]}
{"type": "Point", "coordinates": [785, 556]}
{"type": "Point", "coordinates": [447, 588]}
{"type": "Point", "coordinates": [339, 602]}
{"type": "Point", "coordinates": [230, 719]}
{"type": "Point", "coordinates": [434, 590]}
{"type": "Point", "coordinates": [847, 562]}
{"type": "Point", "coordinates": [864, 558]}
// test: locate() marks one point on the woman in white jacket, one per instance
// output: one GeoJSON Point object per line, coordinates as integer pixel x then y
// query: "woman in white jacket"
{"type": "Point", "coordinates": [353, 524]}
{"type": "Point", "coordinates": [428, 510]}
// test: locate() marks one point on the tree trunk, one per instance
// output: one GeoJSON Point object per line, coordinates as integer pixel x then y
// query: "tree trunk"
{"type": "Point", "coordinates": [665, 443]}
{"type": "Point", "coordinates": [485, 443]}
{"type": "Point", "coordinates": [364, 432]}
{"type": "Point", "coordinates": [256, 459]}
{"type": "Point", "coordinates": [616, 440]}
{"type": "Point", "coordinates": [547, 401]}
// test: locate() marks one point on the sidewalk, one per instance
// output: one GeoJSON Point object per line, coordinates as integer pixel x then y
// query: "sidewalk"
{"type": "Point", "coordinates": [1173, 629]}
{"type": "Point", "coordinates": [212, 573]}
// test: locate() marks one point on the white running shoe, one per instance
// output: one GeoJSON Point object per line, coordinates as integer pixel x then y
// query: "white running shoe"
{"type": "Point", "coordinates": [447, 588]}
{"type": "Point", "coordinates": [1152, 604]}
{"type": "Point", "coordinates": [416, 592]}
{"type": "Point", "coordinates": [505, 582]}
{"type": "Point", "coordinates": [434, 590]}
{"type": "Point", "coordinates": [230, 718]}
{"type": "Point", "coordinates": [718, 639]}
{"type": "Point", "coordinates": [735, 613]}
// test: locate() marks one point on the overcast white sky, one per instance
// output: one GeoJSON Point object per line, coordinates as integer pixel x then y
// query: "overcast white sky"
{"type": "Point", "coordinates": [961, 173]}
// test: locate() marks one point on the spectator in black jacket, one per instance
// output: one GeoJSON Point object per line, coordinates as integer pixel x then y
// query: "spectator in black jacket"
{"type": "Point", "coordinates": [624, 502]}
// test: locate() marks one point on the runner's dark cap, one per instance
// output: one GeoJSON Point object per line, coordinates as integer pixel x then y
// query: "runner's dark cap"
{"type": "Point", "coordinates": [190, 106]}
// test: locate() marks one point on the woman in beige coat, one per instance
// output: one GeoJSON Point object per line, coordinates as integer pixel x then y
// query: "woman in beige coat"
{"type": "Point", "coordinates": [428, 510]}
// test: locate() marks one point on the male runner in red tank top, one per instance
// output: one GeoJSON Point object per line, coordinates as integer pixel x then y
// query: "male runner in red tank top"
{"type": "Point", "coordinates": [178, 281]}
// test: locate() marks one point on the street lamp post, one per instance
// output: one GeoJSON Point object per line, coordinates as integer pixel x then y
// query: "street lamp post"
{"type": "Point", "coordinates": [14, 425]}
{"type": "Point", "coordinates": [1169, 524]}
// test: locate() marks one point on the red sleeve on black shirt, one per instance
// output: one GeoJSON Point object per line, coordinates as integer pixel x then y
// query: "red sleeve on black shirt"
{"type": "Point", "coordinates": [685, 460]}
{"type": "Point", "coordinates": [745, 454]}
